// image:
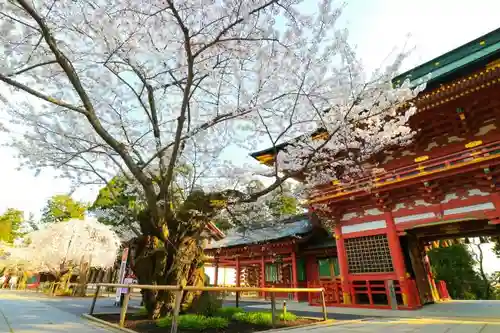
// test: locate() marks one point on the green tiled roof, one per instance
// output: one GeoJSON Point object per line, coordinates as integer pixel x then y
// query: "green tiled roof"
{"type": "Point", "coordinates": [483, 49]}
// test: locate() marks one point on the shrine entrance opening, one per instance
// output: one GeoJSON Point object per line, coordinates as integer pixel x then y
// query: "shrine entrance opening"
{"type": "Point", "coordinates": [419, 240]}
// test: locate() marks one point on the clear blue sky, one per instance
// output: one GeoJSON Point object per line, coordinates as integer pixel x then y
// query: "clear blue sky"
{"type": "Point", "coordinates": [376, 27]}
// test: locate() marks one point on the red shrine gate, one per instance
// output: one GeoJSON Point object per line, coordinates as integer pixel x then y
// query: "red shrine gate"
{"type": "Point", "coordinates": [445, 185]}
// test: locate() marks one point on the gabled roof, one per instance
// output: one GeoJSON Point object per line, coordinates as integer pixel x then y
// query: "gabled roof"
{"type": "Point", "coordinates": [465, 58]}
{"type": "Point", "coordinates": [293, 227]}
{"type": "Point", "coordinates": [449, 66]}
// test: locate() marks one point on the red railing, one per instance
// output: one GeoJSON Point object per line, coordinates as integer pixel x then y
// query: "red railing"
{"type": "Point", "coordinates": [365, 293]}
{"type": "Point", "coordinates": [333, 292]}
{"type": "Point", "coordinates": [438, 164]}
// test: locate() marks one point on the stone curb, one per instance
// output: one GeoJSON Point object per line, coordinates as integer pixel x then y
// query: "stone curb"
{"type": "Point", "coordinates": [319, 323]}
{"type": "Point", "coordinates": [108, 324]}
{"type": "Point", "coordinates": [450, 319]}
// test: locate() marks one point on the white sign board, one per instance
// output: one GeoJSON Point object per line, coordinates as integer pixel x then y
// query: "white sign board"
{"type": "Point", "coordinates": [121, 274]}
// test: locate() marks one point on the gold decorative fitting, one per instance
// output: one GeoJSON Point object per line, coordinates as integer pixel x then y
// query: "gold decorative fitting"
{"type": "Point", "coordinates": [473, 144]}
{"type": "Point", "coordinates": [320, 136]}
{"type": "Point", "coordinates": [218, 203]}
{"type": "Point", "coordinates": [265, 158]}
{"type": "Point", "coordinates": [462, 116]}
{"type": "Point", "coordinates": [492, 65]}
{"type": "Point", "coordinates": [421, 159]}
{"type": "Point", "coordinates": [482, 42]}
{"type": "Point", "coordinates": [335, 182]}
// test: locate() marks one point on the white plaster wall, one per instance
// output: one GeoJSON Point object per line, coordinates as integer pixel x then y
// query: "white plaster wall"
{"type": "Point", "coordinates": [226, 276]}
{"type": "Point", "coordinates": [363, 226]}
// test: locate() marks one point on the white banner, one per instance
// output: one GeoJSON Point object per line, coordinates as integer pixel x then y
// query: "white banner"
{"type": "Point", "coordinates": [121, 274]}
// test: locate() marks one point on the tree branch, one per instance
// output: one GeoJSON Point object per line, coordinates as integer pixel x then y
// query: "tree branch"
{"type": "Point", "coordinates": [33, 67]}
{"type": "Point", "coordinates": [38, 94]}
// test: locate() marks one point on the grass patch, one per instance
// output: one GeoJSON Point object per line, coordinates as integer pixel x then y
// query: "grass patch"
{"type": "Point", "coordinates": [289, 316]}
{"type": "Point", "coordinates": [262, 318]}
{"type": "Point", "coordinates": [228, 312]}
{"type": "Point", "coordinates": [195, 322]}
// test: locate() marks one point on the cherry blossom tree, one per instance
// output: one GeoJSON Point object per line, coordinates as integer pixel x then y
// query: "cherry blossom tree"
{"type": "Point", "coordinates": [99, 88]}
{"type": "Point", "coordinates": [62, 247]}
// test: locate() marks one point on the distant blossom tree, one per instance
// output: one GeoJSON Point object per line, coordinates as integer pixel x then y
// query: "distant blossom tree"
{"type": "Point", "coordinates": [107, 87]}
{"type": "Point", "coordinates": [62, 247]}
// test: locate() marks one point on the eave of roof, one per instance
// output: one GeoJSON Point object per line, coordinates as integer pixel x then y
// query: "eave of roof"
{"type": "Point", "coordinates": [293, 227]}
{"type": "Point", "coordinates": [462, 58]}
{"type": "Point", "coordinates": [458, 62]}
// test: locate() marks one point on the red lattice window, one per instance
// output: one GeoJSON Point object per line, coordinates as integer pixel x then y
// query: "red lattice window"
{"type": "Point", "coordinates": [368, 254]}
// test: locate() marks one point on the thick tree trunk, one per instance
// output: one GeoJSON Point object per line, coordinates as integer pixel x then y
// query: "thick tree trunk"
{"type": "Point", "coordinates": [170, 264]}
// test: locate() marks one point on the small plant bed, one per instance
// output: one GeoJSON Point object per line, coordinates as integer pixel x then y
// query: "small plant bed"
{"type": "Point", "coordinates": [224, 320]}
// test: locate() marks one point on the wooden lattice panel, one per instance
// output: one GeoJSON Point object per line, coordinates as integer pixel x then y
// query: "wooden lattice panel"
{"type": "Point", "coordinates": [368, 254]}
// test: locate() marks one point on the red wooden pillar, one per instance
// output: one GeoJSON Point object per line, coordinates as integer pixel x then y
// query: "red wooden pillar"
{"type": "Point", "coordinates": [262, 275]}
{"type": "Point", "coordinates": [495, 198]}
{"type": "Point", "coordinates": [344, 268]}
{"type": "Point", "coordinates": [294, 275]}
{"type": "Point", "coordinates": [397, 256]}
{"type": "Point", "coordinates": [216, 273]}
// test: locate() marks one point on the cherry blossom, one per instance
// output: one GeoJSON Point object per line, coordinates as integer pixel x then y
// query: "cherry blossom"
{"type": "Point", "coordinates": [101, 88]}
{"type": "Point", "coordinates": [62, 245]}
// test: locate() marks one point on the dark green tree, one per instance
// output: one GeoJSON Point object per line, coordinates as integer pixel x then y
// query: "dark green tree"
{"type": "Point", "coordinates": [496, 245]}
{"type": "Point", "coordinates": [455, 265]}
{"type": "Point", "coordinates": [10, 224]}
{"type": "Point", "coordinates": [117, 207]}
{"type": "Point", "coordinates": [63, 207]}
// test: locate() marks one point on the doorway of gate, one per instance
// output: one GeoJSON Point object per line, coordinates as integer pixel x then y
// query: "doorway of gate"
{"type": "Point", "coordinates": [419, 241]}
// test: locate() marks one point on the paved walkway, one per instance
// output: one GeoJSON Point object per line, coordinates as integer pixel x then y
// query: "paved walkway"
{"type": "Point", "coordinates": [402, 325]}
{"type": "Point", "coordinates": [26, 314]}
{"type": "Point", "coordinates": [470, 310]}
{"type": "Point", "coordinates": [35, 313]}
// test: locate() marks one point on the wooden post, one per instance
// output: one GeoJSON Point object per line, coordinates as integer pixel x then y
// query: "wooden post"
{"type": "Point", "coordinates": [123, 312]}
{"type": "Point", "coordinates": [343, 265]}
{"type": "Point", "coordinates": [238, 280]}
{"type": "Point", "coordinates": [262, 275]}
{"type": "Point", "coordinates": [91, 312]}
{"type": "Point", "coordinates": [216, 273]}
{"type": "Point", "coordinates": [273, 309]}
{"type": "Point", "coordinates": [284, 311]}
{"type": "Point", "coordinates": [294, 275]}
{"type": "Point", "coordinates": [177, 310]}
{"type": "Point", "coordinates": [53, 289]}
{"type": "Point", "coordinates": [393, 301]}
{"type": "Point", "coordinates": [323, 305]}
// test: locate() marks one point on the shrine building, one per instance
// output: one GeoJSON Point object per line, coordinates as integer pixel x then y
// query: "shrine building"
{"type": "Point", "coordinates": [445, 185]}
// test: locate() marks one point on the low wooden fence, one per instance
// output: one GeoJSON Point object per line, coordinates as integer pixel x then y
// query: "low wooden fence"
{"type": "Point", "coordinates": [180, 290]}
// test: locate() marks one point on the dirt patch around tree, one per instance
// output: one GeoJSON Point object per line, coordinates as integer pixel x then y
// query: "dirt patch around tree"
{"type": "Point", "coordinates": [141, 324]}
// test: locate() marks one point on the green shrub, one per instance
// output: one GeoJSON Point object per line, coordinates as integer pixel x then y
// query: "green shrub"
{"type": "Point", "coordinates": [256, 318]}
{"type": "Point", "coordinates": [206, 304]}
{"type": "Point", "coordinates": [228, 312]}
{"type": "Point", "coordinates": [288, 316]}
{"type": "Point", "coordinates": [195, 322]}
{"type": "Point", "coordinates": [262, 318]}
